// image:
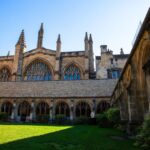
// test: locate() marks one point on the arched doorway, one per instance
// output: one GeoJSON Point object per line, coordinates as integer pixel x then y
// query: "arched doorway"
{"type": "Point", "coordinates": [7, 108]}
{"type": "Point", "coordinates": [24, 110]}
{"type": "Point", "coordinates": [62, 108]}
{"type": "Point", "coordinates": [83, 109]}
{"type": "Point", "coordinates": [102, 106]}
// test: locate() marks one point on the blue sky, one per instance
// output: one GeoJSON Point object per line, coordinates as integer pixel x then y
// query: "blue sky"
{"type": "Point", "coordinates": [111, 22]}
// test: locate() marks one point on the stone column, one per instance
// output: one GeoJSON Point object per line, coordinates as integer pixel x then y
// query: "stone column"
{"type": "Point", "coordinates": [72, 110]}
{"type": "Point", "coordinates": [93, 108]}
{"type": "Point", "coordinates": [148, 88]}
{"type": "Point", "coordinates": [124, 106]}
{"type": "Point", "coordinates": [14, 111]}
{"type": "Point", "coordinates": [32, 113]}
{"type": "Point", "coordinates": [52, 111]}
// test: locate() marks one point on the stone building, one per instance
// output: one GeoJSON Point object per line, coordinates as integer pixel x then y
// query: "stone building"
{"type": "Point", "coordinates": [109, 65]}
{"type": "Point", "coordinates": [50, 82]}
{"type": "Point", "coordinates": [132, 92]}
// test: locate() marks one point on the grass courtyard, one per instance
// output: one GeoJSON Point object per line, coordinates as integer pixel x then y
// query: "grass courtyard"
{"type": "Point", "coordinates": [46, 137]}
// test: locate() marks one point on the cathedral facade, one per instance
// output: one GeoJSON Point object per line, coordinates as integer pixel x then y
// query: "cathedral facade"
{"type": "Point", "coordinates": [49, 82]}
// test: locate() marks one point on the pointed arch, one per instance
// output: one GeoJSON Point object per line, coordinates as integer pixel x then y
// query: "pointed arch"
{"type": "Point", "coordinates": [62, 108]}
{"type": "Point", "coordinates": [24, 110]}
{"type": "Point", "coordinates": [38, 70]}
{"type": "Point", "coordinates": [7, 107]}
{"type": "Point", "coordinates": [73, 71]}
{"type": "Point", "coordinates": [82, 109]}
{"type": "Point", "coordinates": [5, 74]}
{"type": "Point", "coordinates": [102, 106]}
{"type": "Point", "coordinates": [42, 108]}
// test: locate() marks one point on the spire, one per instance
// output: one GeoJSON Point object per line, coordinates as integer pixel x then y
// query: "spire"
{"type": "Point", "coordinates": [90, 38]}
{"type": "Point", "coordinates": [21, 40]}
{"type": "Point", "coordinates": [40, 36]}
{"type": "Point", "coordinates": [121, 52]}
{"type": "Point", "coordinates": [58, 45]}
{"type": "Point", "coordinates": [86, 36]}
{"type": "Point", "coordinates": [59, 39]}
{"type": "Point", "coordinates": [86, 42]}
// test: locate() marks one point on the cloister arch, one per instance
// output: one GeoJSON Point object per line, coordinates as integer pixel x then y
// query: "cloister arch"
{"type": "Point", "coordinates": [62, 108]}
{"type": "Point", "coordinates": [42, 109]}
{"type": "Point", "coordinates": [102, 106]}
{"type": "Point", "coordinates": [24, 110]}
{"type": "Point", "coordinates": [7, 107]}
{"type": "Point", "coordinates": [82, 109]}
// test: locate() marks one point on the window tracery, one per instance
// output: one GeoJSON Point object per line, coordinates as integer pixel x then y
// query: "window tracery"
{"type": "Point", "coordinates": [72, 73]}
{"type": "Point", "coordinates": [38, 71]}
{"type": "Point", "coordinates": [4, 75]}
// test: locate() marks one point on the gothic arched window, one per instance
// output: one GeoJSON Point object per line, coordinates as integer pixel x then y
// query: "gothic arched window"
{"type": "Point", "coordinates": [83, 109]}
{"type": "Point", "coordinates": [4, 74]}
{"type": "Point", "coordinates": [72, 73]}
{"type": "Point", "coordinates": [38, 70]}
{"type": "Point", "coordinates": [62, 108]}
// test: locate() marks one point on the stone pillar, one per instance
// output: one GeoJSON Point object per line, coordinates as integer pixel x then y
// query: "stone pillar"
{"type": "Point", "coordinates": [72, 110]}
{"type": "Point", "coordinates": [148, 87]}
{"type": "Point", "coordinates": [58, 54]}
{"type": "Point", "coordinates": [93, 108]}
{"type": "Point", "coordinates": [32, 113]}
{"type": "Point", "coordinates": [14, 111]}
{"type": "Point", "coordinates": [51, 111]}
{"type": "Point", "coordinates": [123, 104]}
{"type": "Point", "coordinates": [86, 43]}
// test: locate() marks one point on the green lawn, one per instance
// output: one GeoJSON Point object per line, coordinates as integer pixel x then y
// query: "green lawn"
{"type": "Point", "coordinates": [46, 137]}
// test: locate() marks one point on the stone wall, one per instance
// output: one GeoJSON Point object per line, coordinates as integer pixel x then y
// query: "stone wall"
{"type": "Point", "coordinates": [132, 90]}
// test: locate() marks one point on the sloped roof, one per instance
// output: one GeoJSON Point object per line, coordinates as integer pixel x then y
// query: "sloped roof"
{"type": "Point", "coordinates": [53, 89]}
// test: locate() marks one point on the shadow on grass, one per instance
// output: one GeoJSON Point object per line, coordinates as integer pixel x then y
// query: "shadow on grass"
{"type": "Point", "coordinates": [75, 138]}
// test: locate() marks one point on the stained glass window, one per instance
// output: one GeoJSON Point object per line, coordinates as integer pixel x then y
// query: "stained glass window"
{"type": "Point", "coordinates": [72, 73]}
{"type": "Point", "coordinates": [37, 71]}
{"type": "Point", "coordinates": [4, 74]}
